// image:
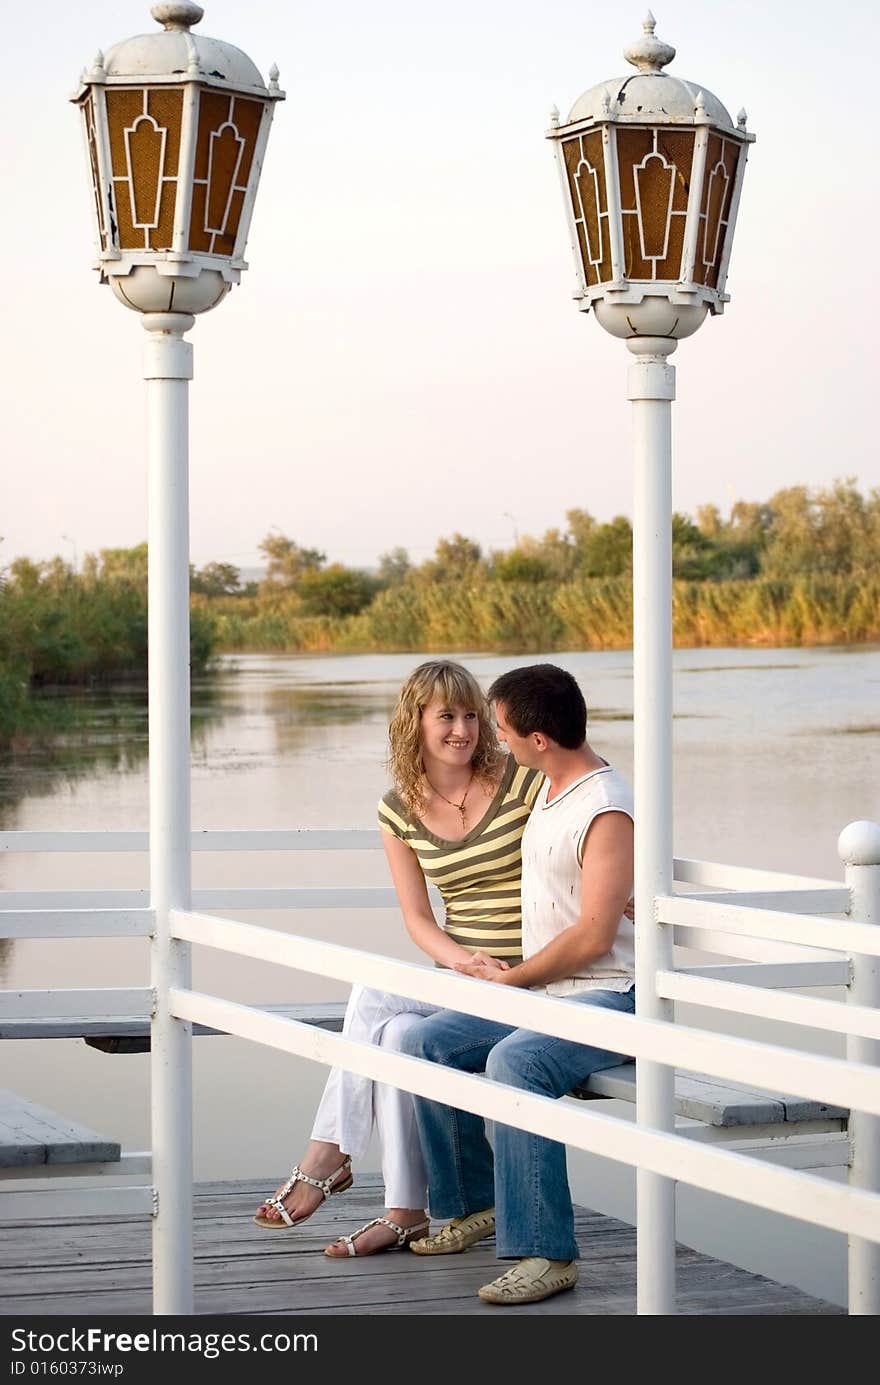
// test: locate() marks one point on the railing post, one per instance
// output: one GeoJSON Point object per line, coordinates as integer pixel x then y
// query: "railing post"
{"type": "Point", "coordinates": [859, 847]}
{"type": "Point", "coordinates": [168, 370]}
{"type": "Point", "coordinates": [651, 388]}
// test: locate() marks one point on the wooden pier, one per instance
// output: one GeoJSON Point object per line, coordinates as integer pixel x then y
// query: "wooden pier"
{"type": "Point", "coordinates": [101, 1266]}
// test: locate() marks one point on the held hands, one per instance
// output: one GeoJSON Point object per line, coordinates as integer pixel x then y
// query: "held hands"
{"type": "Point", "coordinates": [483, 967]}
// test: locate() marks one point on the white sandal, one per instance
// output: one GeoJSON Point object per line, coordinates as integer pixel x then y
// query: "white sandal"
{"type": "Point", "coordinates": [405, 1234]}
{"type": "Point", "coordinates": [326, 1186]}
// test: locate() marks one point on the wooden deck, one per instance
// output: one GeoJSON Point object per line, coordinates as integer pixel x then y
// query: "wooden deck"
{"type": "Point", "coordinates": [102, 1267]}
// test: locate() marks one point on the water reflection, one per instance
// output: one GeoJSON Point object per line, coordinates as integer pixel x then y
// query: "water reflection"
{"type": "Point", "coordinates": [89, 730]}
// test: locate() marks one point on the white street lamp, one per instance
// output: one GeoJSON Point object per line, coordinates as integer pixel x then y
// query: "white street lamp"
{"type": "Point", "coordinates": [651, 169]}
{"type": "Point", "coordinates": [176, 126]}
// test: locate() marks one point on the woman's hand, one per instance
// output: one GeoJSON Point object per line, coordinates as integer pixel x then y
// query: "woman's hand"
{"type": "Point", "coordinates": [483, 967]}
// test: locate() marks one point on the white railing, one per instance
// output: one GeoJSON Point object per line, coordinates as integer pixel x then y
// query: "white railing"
{"type": "Point", "coordinates": [775, 929]}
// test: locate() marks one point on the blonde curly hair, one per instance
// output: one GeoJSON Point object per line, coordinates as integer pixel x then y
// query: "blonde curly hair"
{"type": "Point", "coordinates": [453, 685]}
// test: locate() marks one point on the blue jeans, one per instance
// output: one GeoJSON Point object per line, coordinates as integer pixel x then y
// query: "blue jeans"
{"type": "Point", "coordinates": [529, 1181]}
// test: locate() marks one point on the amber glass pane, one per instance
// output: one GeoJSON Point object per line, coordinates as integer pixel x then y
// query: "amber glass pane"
{"type": "Point", "coordinates": [162, 237]}
{"type": "Point", "coordinates": [713, 153]}
{"type": "Point", "coordinates": [150, 142]}
{"type": "Point", "coordinates": [225, 148]}
{"type": "Point", "coordinates": [214, 110]}
{"type": "Point", "coordinates": [586, 211]}
{"type": "Point", "coordinates": [595, 152]}
{"type": "Point", "coordinates": [632, 146]}
{"type": "Point", "coordinates": [635, 266]}
{"type": "Point", "coordinates": [225, 245]}
{"type": "Point", "coordinates": [88, 111]}
{"type": "Point", "coordinates": [199, 238]}
{"type": "Point", "coordinates": [714, 197]}
{"type": "Point", "coordinates": [226, 153]}
{"type": "Point", "coordinates": [123, 108]}
{"type": "Point", "coordinates": [585, 164]}
{"type": "Point", "coordinates": [677, 147]}
{"type": "Point", "coordinates": [131, 237]}
{"type": "Point", "coordinates": [714, 150]}
{"type": "Point", "coordinates": [590, 271]}
{"type": "Point", "coordinates": [146, 147]}
{"type": "Point", "coordinates": [165, 105]}
{"type": "Point", "coordinates": [592, 147]}
{"type": "Point", "coordinates": [654, 181]}
{"type": "Point", "coordinates": [730, 157]}
{"type": "Point", "coordinates": [247, 116]}
{"type": "Point", "coordinates": [671, 267]}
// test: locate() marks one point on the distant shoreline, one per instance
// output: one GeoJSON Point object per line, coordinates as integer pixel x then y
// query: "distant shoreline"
{"type": "Point", "coordinates": [525, 617]}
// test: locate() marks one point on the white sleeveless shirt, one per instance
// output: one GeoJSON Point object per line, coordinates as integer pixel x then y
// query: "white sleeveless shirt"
{"type": "Point", "coordinates": [552, 848]}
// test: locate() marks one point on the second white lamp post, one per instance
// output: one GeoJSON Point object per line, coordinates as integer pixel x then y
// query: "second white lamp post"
{"type": "Point", "coordinates": [651, 169]}
{"type": "Point", "coordinates": [176, 126]}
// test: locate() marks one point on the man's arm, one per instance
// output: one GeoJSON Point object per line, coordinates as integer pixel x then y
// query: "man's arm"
{"type": "Point", "coordinates": [606, 886]}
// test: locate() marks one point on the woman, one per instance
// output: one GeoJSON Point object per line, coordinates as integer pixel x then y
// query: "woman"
{"type": "Point", "coordinates": [454, 818]}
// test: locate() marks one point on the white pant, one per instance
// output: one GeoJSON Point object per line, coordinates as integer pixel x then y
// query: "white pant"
{"type": "Point", "coordinates": [351, 1103]}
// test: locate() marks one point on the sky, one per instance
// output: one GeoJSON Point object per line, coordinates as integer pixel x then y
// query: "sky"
{"type": "Point", "coordinates": [403, 358]}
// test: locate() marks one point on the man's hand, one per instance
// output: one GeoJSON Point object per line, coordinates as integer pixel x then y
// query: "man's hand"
{"type": "Point", "coordinates": [483, 967]}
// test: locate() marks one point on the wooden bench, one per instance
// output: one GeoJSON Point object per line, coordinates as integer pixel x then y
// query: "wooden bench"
{"type": "Point", "coordinates": [763, 1123]}
{"type": "Point", "coordinates": [32, 1136]}
{"type": "Point", "coordinates": [706, 1108]}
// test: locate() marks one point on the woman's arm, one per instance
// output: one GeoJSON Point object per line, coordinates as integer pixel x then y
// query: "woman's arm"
{"type": "Point", "coordinates": [412, 893]}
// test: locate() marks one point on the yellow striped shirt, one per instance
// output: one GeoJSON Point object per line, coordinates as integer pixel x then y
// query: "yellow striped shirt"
{"type": "Point", "coordinates": [479, 876]}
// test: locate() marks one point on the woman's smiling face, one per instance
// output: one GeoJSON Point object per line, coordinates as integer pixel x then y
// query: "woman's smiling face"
{"type": "Point", "coordinates": [449, 733]}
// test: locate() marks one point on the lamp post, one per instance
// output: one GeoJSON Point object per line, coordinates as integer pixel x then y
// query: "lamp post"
{"type": "Point", "coordinates": [651, 169]}
{"type": "Point", "coordinates": [176, 126]}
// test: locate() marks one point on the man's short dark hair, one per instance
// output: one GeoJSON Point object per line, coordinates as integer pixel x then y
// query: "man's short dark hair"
{"type": "Point", "coordinates": [544, 698]}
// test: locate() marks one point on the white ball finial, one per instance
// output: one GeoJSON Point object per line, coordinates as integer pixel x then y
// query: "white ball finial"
{"type": "Point", "coordinates": [178, 14]}
{"type": "Point", "coordinates": [859, 844]}
{"type": "Point", "coordinates": [741, 117]}
{"type": "Point", "coordinates": [649, 53]}
{"type": "Point", "coordinates": [554, 116]}
{"type": "Point", "coordinates": [274, 74]}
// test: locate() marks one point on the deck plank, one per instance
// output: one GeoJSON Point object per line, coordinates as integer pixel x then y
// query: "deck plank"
{"type": "Point", "coordinates": [102, 1266]}
{"type": "Point", "coordinates": [31, 1135]}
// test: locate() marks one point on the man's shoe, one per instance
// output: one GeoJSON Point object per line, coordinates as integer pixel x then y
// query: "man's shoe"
{"type": "Point", "coordinates": [458, 1235]}
{"type": "Point", "coordinates": [530, 1280]}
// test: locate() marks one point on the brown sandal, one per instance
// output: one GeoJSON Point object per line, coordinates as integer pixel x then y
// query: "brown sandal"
{"type": "Point", "coordinates": [326, 1186]}
{"type": "Point", "coordinates": [405, 1234]}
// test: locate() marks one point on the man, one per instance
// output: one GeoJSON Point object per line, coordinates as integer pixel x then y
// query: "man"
{"type": "Point", "coordinates": [578, 943]}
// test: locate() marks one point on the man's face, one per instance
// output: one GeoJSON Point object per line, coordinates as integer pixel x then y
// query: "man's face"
{"type": "Point", "coordinates": [523, 748]}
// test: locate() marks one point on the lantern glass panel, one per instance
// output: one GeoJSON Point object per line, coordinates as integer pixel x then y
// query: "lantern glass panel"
{"type": "Point", "coordinates": [88, 110]}
{"type": "Point", "coordinates": [585, 168]}
{"type": "Point", "coordinates": [654, 170]}
{"type": "Point", "coordinates": [632, 147]}
{"type": "Point", "coordinates": [144, 126]}
{"type": "Point", "coordinates": [722, 156]}
{"type": "Point", "coordinates": [225, 148]}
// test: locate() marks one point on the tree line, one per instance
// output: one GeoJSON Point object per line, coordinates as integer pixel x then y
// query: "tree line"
{"type": "Point", "coordinates": [833, 531]}
{"type": "Point", "coordinates": [800, 568]}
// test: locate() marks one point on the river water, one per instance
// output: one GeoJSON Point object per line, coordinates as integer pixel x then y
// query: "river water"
{"type": "Point", "coordinates": [775, 752]}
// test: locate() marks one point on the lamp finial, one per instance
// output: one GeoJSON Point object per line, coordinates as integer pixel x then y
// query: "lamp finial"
{"type": "Point", "coordinates": [178, 14]}
{"type": "Point", "coordinates": [649, 53]}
